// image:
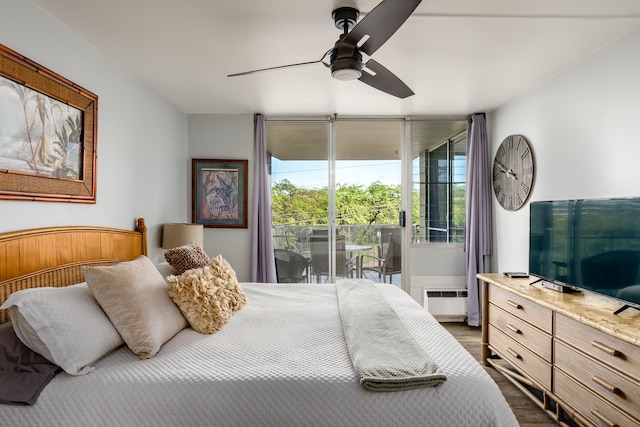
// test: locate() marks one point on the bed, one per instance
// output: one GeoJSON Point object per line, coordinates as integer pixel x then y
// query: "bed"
{"type": "Point", "coordinates": [280, 360]}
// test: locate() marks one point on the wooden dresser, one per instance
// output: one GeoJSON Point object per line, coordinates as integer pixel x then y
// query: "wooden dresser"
{"type": "Point", "coordinates": [566, 351]}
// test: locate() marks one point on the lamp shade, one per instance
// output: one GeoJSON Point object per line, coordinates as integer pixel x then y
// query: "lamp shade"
{"type": "Point", "coordinates": [179, 234]}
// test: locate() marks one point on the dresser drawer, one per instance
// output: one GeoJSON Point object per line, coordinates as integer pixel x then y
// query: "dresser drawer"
{"type": "Point", "coordinates": [521, 331]}
{"type": "Point", "coordinates": [598, 378]}
{"type": "Point", "coordinates": [529, 311]}
{"type": "Point", "coordinates": [620, 355]}
{"type": "Point", "coordinates": [520, 357]}
{"type": "Point", "coordinates": [598, 411]}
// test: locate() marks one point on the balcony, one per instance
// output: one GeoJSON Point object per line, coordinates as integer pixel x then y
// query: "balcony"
{"type": "Point", "coordinates": [360, 239]}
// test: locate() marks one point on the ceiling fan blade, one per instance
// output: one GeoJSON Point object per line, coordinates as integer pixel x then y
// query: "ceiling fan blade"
{"type": "Point", "coordinates": [244, 73]}
{"type": "Point", "coordinates": [384, 80]}
{"type": "Point", "coordinates": [380, 24]}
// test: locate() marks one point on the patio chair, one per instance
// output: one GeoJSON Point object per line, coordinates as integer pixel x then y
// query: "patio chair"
{"type": "Point", "coordinates": [384, 234]}
{"type": "Point", "coordinates": [291, 267]}
{"type": "Point", "coordinates": [387, 265]}
{"type": "Point", "coordinates": [319, 245]}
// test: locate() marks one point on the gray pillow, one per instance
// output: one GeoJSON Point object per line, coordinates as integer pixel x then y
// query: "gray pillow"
{"type": "Point", "coordinates": [23, 372]}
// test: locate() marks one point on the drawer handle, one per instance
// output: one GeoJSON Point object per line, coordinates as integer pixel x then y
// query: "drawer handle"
{"type": "Point", "coordinates": [514, 353]}
{"type": "Point", "coordinates": [612, 351]}
{"type": "Point", "coordinates": [514, 304]}
{"type": "Point", "coordinates": [602, 383]}
{"type": "Point", "coordinates": [602, 418]}
{"type": "Point", "coordinates": [513, 328]}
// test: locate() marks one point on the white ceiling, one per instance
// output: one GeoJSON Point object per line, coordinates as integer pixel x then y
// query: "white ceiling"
{"type": "Point", "coordinates": [459, 57]}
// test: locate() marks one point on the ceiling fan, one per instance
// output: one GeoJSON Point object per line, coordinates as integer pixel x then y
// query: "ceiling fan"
{"type": "Point", "coordinates": [345, 58]}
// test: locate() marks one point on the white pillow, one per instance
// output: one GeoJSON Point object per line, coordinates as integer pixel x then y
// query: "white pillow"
{"type": "Point", "coordinates": [65, 325]}
{"type": "Point", "coordinates": [166, 270]}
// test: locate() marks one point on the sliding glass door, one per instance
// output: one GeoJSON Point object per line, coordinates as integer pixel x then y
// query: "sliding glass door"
{"type": "Point", "coordinates": [299, 167]}
{"type": "Point", "coordinates": [336, 198]}
{"type": "Point", "coordinates": [368, 174]}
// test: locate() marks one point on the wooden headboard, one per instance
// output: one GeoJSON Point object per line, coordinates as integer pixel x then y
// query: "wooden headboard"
{"type": "Point", "coordinates": [52, 256]}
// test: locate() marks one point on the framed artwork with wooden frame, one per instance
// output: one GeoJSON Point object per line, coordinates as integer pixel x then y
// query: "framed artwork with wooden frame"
{"type": "Point", "coordinates": [219, 193]}
{"type": "Point", "coordinates": [48, 134]}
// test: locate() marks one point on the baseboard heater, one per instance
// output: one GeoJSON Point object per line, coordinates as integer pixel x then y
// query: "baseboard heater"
{"type": "Point", "coordinates": [446, 303]}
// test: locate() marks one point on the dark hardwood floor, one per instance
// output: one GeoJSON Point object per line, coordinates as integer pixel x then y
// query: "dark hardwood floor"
{"type": "Point", "coordinates": [527, 412]}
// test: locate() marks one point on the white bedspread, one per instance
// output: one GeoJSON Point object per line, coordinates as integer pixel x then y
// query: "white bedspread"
{"type": "Point", "coordinates": [280, 361]}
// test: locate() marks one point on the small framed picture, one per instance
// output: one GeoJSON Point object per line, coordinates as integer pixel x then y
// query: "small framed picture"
{"type": "Point", "coordinates": [219, 193]}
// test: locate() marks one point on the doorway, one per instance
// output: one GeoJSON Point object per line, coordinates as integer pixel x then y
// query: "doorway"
{"type": "Point", "coordinates": [336, 194]}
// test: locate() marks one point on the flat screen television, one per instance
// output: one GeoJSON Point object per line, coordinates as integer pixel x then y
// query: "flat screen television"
{"type": "Point", "coordinates": [591, 244]}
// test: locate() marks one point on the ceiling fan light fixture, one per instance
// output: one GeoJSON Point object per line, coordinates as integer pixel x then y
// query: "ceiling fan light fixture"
{"type": "Point", "coordinates": [346, 74]}
{"type": "Point", "coordinates": [347, 68]}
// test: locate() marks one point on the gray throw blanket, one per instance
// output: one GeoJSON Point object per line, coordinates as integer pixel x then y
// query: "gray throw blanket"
{"type": "Point", "coordinates": [385, 355]}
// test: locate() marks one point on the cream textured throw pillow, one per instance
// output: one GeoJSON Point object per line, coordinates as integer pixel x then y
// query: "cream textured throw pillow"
{"type": "Point", "coordinates": [186, 257]}
{"type": "Point", "coordinates": [208, 296]}
{"type": "Point", "coordinates": [225, 273]}
{"type": "Point", "coordinates": [136, 299]}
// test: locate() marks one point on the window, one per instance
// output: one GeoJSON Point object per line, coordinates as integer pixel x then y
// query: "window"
{"type": "Point", "coordinates": [440, 189]}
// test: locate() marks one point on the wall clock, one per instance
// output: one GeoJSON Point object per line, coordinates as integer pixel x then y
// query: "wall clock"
{"type": "Point", "coordinates": [513, 172]}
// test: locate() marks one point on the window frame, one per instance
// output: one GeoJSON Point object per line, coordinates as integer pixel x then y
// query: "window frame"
{"type": "Point", "coordinates": [452, 234]}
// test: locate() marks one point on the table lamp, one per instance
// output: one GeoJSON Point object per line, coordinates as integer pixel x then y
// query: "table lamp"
{"type": "Point", "coordinates": [179, 234]}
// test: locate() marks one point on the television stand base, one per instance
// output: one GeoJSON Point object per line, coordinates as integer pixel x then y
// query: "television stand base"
{"type": "Point", "coordinates": [558, 288]}
{"type": "Point", "coordinates": [623, 308]}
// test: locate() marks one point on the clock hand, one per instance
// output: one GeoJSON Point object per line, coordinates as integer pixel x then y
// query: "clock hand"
{"type": "Point", "coordinates": [509, 172]}
{"type": "Point", "coordinates": [502, 168]}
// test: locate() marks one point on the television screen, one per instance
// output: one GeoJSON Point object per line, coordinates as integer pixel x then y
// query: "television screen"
{"type": "Point", "coordinates": [589, 245]}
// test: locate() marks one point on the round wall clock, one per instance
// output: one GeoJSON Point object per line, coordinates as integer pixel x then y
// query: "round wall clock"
{"type": "Point", "coordinates": [513, 172]}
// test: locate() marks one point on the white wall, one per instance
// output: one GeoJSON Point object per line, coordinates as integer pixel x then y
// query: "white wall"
{"type": "Point", "coordinates": [225, 137]}
{"type": "Point", "coordinates": [584, 129]}
{"type": "Point", "coordinates": [436, 266]}
{"type": "Point", "coordinates": [142, 139]}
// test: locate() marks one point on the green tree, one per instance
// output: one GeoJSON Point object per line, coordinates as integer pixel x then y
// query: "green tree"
{"type": "Point", "coordinates": [293, 205]}
{"type": "Point", "coordinates": [376, 204]}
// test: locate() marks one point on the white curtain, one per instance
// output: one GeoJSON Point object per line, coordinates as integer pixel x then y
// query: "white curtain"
{"type": "Point", "coordinates": [478, 232]}
{"type": "Point", "coordinates": [263, 265]}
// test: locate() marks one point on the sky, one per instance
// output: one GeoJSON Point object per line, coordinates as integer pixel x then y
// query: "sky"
{"type": "Point", "coordinates": [354, 172]}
